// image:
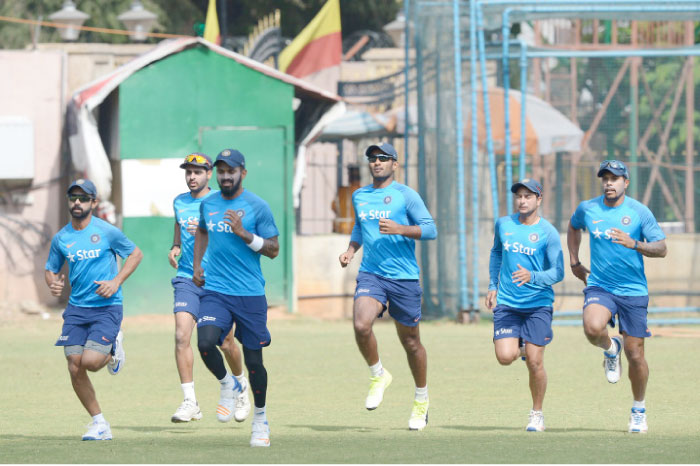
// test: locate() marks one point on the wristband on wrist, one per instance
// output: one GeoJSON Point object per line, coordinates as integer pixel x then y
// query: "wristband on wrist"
{"type": "Point", "coordinates": [576, 264]}
{"type": "Point", "coordinates": [635, 245]}
{"type": "Point", "coordinates": [257, 243]}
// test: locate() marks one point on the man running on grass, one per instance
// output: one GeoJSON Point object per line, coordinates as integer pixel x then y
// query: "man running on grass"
{"type": "Point", "coordinates": [198, 170]}
{"type": "Point", "coordinates": [90, 336]}
{"type": "Point", "coordinates": [389, 217]}
{"type": "Point", "coordinates": [526, 260]}
{"type": "Point", "coordinates": [621, 231]}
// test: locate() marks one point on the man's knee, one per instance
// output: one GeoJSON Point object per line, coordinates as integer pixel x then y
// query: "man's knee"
{"type": "Point", "coordinates": [363, 327]}
{"type": "Point", "coordinates": [411, 343]}
{"type": "Point", "coordinates": [634, 351]}
{"type": "Point", "coordinates": [207, 338]}
{"type": "Point", "coordinates": [182, 338]}
{"type": "Point", "coordinates": [506, 358]}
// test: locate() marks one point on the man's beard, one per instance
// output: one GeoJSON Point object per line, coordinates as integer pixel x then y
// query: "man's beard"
{"type": "Point", "coordinates": [84, 213]}
{"type": "Point", "coordinates": [228, 192]}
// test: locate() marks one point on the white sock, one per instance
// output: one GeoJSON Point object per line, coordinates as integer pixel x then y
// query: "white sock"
{"type": "Point", "coordinates": [259, 414]}
{"type": "Point", "coordinates": [614, 349]}
{"type": "Point", "coordinates": [377, 369]}
{"type": "Point", "coordinates": [99, 418]}
{"type": "Point", "coordinates": [422, 393]}
{"type": "Point", "coordinates": [639, 404]}
{"type": "Point", "coordinates": [188, 391]}
{"type": "Point", "coordinates": [226, 382]}
{"type": "Point", "coordinates": [241, 378]}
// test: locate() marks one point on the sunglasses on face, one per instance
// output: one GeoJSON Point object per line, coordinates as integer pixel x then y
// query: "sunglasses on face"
{"type": "Point", "coordinates": [196, 158]}
{"type": "Point", "coordinates": [84, 199]}
{"type": "Point", "coordinates": [381, 158]}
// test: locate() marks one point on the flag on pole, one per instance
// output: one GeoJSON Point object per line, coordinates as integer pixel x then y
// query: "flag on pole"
{"type": "Point", "coordinates": [318, 47]}
{"type": "Point", "coordinates": [211, 26]}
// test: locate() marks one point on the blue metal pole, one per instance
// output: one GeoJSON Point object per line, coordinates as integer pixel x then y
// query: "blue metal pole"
{"type": "Point", "coordinates": [523, 110]}
{"type": "Point", "coordinates": [406, 49]}
{"type": "Point", "coordinates": [487, 115]}
{"type": "Point", "coordinates": [475, 141]}
{"type": "Point", "coordinates": [505, 33]}
{"type": "Point", "coordinates": [461, 213]}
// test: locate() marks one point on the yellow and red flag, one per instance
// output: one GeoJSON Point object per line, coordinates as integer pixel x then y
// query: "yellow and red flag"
{"type": "Point", "coordinates": [317, 47]}
{"type": "Point", "coordinates": [211, 25]}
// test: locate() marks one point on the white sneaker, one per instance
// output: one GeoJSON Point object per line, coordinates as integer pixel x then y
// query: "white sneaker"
{"type": "Point", "coordinates": [188, 411]}
{"type": "Point", "coordinates": [613, 364]}
{"type": "Point", "coordinates": [98, 431]}
{"type": "Point", "coordinates": [419, 415]}
{"type": "Point", "coordinates": [377, 385]}
{"type": "Point", "coordinates": [242, 409]}
{"type": "Point", "coordinates": [535, 422]}
{"type": "Point", "coordinates": [261, 435]}
{"type": "Point", "coordinates": [119, 358]}
{"type": "Point", "coordinates": [227, 401]}
{"type": "Point", "coordinates": [638, 421]}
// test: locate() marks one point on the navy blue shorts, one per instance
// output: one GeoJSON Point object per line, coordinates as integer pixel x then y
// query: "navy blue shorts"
{"type": "Point", "coordinates": [249, 313]}
{"type": "Point", "coordinates": [532, 324]}
{"type": "Point", "coordinates": [98, 324]}
{"type": "Point", "coordinates": [404, 296]}
{"type": "Point", "coordinates": [631, 311]}
{"type": "Point", "coordinates": [187, 296]}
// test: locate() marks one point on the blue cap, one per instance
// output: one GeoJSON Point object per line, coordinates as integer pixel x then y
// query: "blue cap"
{"type": "Point", "coordinates": [231, 157]}
{"type": "Point", "coordinates": [529, 184]}
{"type": "Point", "coordinates": [197, 159]}
{"type": "Point", "coordinates": [615, 167]}
{"type": "Point", "coordinates": [84, 184]}
{"type": "Point", "coordinates": [383, 147]}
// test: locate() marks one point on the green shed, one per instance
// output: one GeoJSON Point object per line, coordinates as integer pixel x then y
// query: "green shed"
{"type": "Point", "coordinates": [184, 96]}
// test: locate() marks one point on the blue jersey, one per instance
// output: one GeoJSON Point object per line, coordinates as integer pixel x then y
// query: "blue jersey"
{"type": "Point", "coordinates": [186, 209]}
{"type": "Point", "coordinates": [233, 268]}
{"type": "Point", "coordinates": [536, 248]}
{"type": "Point", "coordinates": [92, 256]}
{"type": "Point", "coordinates": [390, 256]}
{"type": "Point", "coordinates": [615, 268]}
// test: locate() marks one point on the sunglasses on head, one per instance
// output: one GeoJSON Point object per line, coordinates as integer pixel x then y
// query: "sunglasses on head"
{"type": "Point", "coordinates": [83, 198]}
{"type": "Point", "coordinates": [612, 164]}
{"type": "Point", "coordinates": [381, 158]}
{"type": "Point", "coordinates": [196, 158]}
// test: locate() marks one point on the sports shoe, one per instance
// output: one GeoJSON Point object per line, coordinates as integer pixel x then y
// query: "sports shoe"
{"type": "Point", "coordinates": [535, 422]}
{"type": "Point", "coordinates": [419, 415]}
{"type": "Point", "coordinates": [261, 435]}
{"type": "Point", "coordinates": [227, 401]}
{"type": "Point", "coordinates": [521, 343]}
{"type": "Point", "coordinates": [98, 431]}
{"type": "Point", "coordinates": [377, 385]}
{"type": "Point", "coordinates": [612, 363]}
{"type": "Point", "coordinates": [242, 408]}
{"type": "Point", "coordinates": [188, 411]}
{"type": "Point", "coordinates": [116, 364]}
{"type": "Point", "coordinates": [638, 421]}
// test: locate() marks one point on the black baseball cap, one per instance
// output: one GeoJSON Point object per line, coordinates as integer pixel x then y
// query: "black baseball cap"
{"type": "Point", "coordinates": [529, 184]}
{"type": "Point", "coordinates": [615, 167]}
{"type": "Point", "coordinates": [231, 157]}
{"type": "Point", "coordinates": [383, 147]}
{"type": "Point", "coordinates": [84, 184]}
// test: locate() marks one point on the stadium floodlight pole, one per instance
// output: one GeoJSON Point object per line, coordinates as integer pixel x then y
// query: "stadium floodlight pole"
{"type": "Point", "coordinates": [475, 142]}
{"type": "Point", "coordinates": [461, 205]}
{"type": "Point", "coordinates": [487, 114]}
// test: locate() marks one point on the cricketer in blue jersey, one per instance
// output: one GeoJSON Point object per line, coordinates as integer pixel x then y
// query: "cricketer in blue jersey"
{"type": "Point", "coordinates": [389, 217]}
{"type": "Point", "coordinates": [90, 336]}
{"type": "Point", "coordinates": [235, 228]}
{"type": "Point", "coordinates": [526, 260]}
{"type": "Point", "coordinates": [621, 231]}
{"type": "Point", "coordinates": [198, 170]}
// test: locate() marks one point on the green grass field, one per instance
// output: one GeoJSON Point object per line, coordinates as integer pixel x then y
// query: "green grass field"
{"type": "Point", "coordinates": [318, 383]}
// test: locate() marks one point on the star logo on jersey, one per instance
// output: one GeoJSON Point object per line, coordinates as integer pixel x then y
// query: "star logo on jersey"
{"type": "Point", "coordinates": [534, 237]}
{"type": "Point", "coordinates": [70, 245]}
{"type": "Point", "coordinates": [71, 257]}
{"type": "Point", "coordinates": [626, 220]}
{"type": "Point", "coordinates": [95, 238]}
{"type": "Point", "coordinates": [182, 222]}
{"type": "Point", "coordinates": [597, 233]}
{"type": "Point", "coordinates": [240, 213]}
{"type": "Point", "coordinates": [506, 246]}
{"type": "Point", "coordinates": [363, 216]}
{"type": "Point", "coordinates": [210, 225]}
{"type": "Point", "coordinates": [387, 199]}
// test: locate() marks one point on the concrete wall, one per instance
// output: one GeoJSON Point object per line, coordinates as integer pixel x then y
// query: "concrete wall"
{"type": "Point", "coordinates": [31, 86]}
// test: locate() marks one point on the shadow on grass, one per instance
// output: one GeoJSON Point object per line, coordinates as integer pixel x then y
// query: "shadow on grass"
{"type": "Point", "coordinates": [168, 429]}
{"type": "Point", "coordinates": [48, 438]}
{"type": "Point", "coordinates": [321, 428]}
{"type": "Point", "coordinates": [517, 429]}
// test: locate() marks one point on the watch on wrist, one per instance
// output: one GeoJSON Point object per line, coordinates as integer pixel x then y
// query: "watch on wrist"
{"type": "Point", "coordinates": [576, 264]}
